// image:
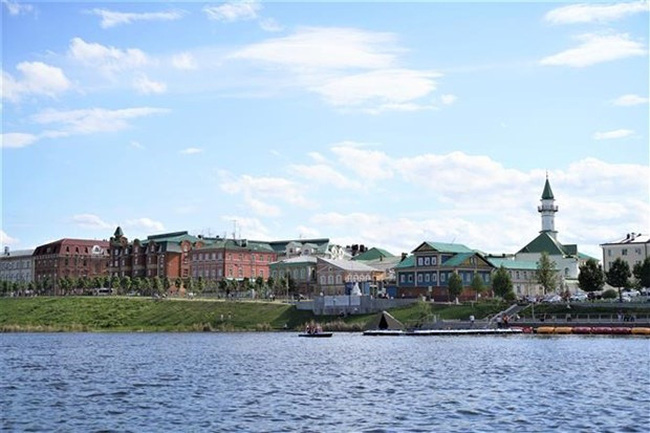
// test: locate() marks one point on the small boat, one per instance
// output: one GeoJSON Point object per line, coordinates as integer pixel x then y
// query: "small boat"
{"type": "Point", "coordinates": [315, 334]}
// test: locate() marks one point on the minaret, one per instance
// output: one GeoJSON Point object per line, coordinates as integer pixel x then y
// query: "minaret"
{"type": "Point", "coordinates": [548, 209]}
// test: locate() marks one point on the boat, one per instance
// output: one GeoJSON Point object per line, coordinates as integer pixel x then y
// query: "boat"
{"type": "Point", "coordinates": [315, 334]}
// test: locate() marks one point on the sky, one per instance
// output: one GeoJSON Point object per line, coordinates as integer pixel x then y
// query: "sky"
{"type": "Point", "coordinates": [383, 124]}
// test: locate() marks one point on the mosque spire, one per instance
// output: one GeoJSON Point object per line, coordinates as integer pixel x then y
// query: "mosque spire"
{"type": "Point", "coordinates": [548, 210]}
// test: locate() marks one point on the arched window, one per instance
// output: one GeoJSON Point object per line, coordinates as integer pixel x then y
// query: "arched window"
{"type": "Point", "coordinates": [339, 279]}
{"type": "Point", "coordinates": [330, 279]}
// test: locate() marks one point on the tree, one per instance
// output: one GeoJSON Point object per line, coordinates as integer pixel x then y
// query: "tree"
{"type": "Point", "coordinates": [114, 283]}
{"type": "Point", "coordinates": [189, 285]}
{"type": "Point", "coordinates": [178, 283]}
{"type": "Point", "coordinates": [619, 276]}
{"type": "Point", "coordinates": [65, 284]}
{"type": "Point", "coordinates": [591, 277]}
{"type": "Point", "coordinates": [136, 284]}
{"type": "Point", "coordinates": [641, 272]}
{"type": "Point", "coordinates": [455, 286]}
{"type": "Point", "coordinates": [477, 284]}
{"type": "Point", "coordinates": [502, 283]}
{"type": "Point", "coordinates": [125, 284]}
{"type": "Point", "coordinates": [157, 286]}
{"type": "Point", "coordinates": [546, 273]}
{"type": "Point", "coordinates": [200, 285]}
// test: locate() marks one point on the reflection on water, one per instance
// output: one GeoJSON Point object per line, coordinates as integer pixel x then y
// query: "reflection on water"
{"type": "Point", "coordinates": [279, 382]}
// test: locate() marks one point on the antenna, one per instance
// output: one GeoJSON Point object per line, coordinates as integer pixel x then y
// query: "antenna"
{"type": "Point", "coordinates": [234, 229]}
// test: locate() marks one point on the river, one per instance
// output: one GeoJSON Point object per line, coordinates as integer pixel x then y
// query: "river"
{"type": "Point", "coordinates": [277, 382]}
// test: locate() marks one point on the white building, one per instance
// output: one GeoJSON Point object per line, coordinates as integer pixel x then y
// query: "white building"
{"type": "Point", "coordinates": [17, 266]}
{"type": "Point", "coordinates": [567, 258]}
{"type": "Point", "coordinates": [633, 248]}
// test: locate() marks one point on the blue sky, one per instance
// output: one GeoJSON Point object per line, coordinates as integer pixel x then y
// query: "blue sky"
{"type": "Point", "coordinates": [385, 124]}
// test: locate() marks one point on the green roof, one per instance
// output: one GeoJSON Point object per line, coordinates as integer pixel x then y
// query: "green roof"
{"type": "Point", "coordinates": [512, 264]}
{"type": "Point", "coordinates": [448, 248]}
{"type": "Point", "coordinates": [548, 192]}
{"type": "Point", "coordinates": [408, 262]}
{"type": "Point", "coordinates": [544, 243]}
{"type": "Point", "coordinates": [457, 260]}
{"type": "Point", "coordinates": [373, 254]}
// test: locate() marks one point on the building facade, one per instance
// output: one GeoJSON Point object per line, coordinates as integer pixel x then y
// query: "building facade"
{"type": "Point", "coordinates": [215, 259]}
{"type": "Point", "coordinates": [164, 256]}
{"type": "Point", "coordinates": [335, 277]}
{"type": "Point", "coordinates": [427, 270]}
{"type": "Point", "coordinates": [633, 248]}
{"type": "Point", "coordinates": [301, 270]}
{"type": "Point", "coordinates": [72, 258]}
{"type": "Point", "coordinates": [17, 266]}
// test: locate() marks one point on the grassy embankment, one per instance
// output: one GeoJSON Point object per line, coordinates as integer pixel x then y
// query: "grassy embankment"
{"type": "Point", "coordinates": [122, 314]}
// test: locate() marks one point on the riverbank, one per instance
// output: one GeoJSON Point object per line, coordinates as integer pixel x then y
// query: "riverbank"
{"type": "Point", "coordinates": [133, 314]}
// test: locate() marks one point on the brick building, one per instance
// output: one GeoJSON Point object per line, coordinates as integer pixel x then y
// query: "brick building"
{"type": "Point", "coordinates": [164, 256]}
{"type": "Point", "coordinates": [74, 258]}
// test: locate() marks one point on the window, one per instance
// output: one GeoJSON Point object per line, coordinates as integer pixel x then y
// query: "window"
{"type": "Point", "coordinates": [330, 279]}
{"type": "Point", "coordinates": [322, 279]}
{"type": "Point", "coordinates": [420, 278]}
{"type": "Point", "coordinates": [339, 280]}
{"type": "Point", "coordinates": [624, 252]}
{"type": "Point", "coordinates": [420, 261]}
{"type": "Point", "coordinates": [443, 277]}
{"type": "Point", "coordinates": [427, 278]}
{"type": "Point", "coordinates": [427, 261]}
{"type": "Point", "coordinates": [402, 278]}
{"type": "Point", "coordinates": [410, 278]}
{"type": "Point", "coordinates": [609, 253]}
{"type": "Point", "coordinates": [434, 260]}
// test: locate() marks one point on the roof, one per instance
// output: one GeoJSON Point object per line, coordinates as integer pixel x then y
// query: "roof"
{"type": "Point", "coordinates": [321, 244]}
{"type": "Point", "coordinates": [17, 253]}
{"type": "Point", "coordinates": [458, 259]}
{"type": "Point", "coordinates": [238, 244]}
{"type": "Point", "coordinates": [512, 264]}
{"type": "Point", "coordinates": [442, 247]}
{"type": "Point", "coordinates": [408, 262]}
{"type": "Point", "coordinates": [373, 254]}
{"type": "Point", "coordinates": [544, 243]}
{"type": "Point", "coordinates": [298, 260]}
{"type": "Point", "coordinates": [547, 194]}
{"type": "Point", "coordinates": [631, 238]}
{"type": "Point", "coordinates": [349, 265]}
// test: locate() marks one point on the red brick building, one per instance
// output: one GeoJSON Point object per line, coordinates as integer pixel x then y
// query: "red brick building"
{"type": "Point", "coordinates": [165, 255]}
{"type": "Point", "coordinates": [74, 258]}
{"type": "Point", "coordinates": [217, 258]}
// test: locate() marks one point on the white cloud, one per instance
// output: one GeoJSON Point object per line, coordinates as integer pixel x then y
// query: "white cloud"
{"type": "Point", "coordinates": [247, 227]}
{"type": "Point", "coordinates": [378, 87]}
{"type": "Point", "coordinates": [326, 175]}
{"type": "Point", "coordinates": [37, 79]}
{"type": "Point", "coordinates": [136, 145]}
{"type": "Point", "coordinates": [325, 48]}
{"type": "Point", "coordinates": [191, 151]}
{"type": "Point", "coordinates": [17, 139]}
{"type": "Point", "coordinates": [90, 221]}
{"type": "Point", "coordinates": [17, 8]}
{"type": "Point", "coordinates": [270, 25]}
{"type": "Point", "coordinates": [367, 165]}
{"type": "Point", "coordinates": [6, 240]}
{"type": "Point", "coordinates": [233, 11]}
{"type": "Point", "coordinates": [105, 58]}
{"type": "Point", "coordinates": [629, 100]}
{"type": "Point", "coordinates": [113, 18]}
{"type": "Point", "coordinates": [587, 13]}
{"type": "Point", "coordinates": [92, 120]}
{"type": "Point", "coordinates": [145, 224]}
{"type": "Point", "coordinates": [596, 49]}
{"type": "Point", "coordinates": [257, 191]}
{"type": "Point", "coordinates": [608, 135]}
{"type": "Point", "coordinates": [184, 61]}
{"type": "Point", "coordinates": [448, 99]}
{"type": "Point", "coordinates": [144, 85]}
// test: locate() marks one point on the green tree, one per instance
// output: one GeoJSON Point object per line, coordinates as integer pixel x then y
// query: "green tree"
{"type": "Point", "coordinates": [619, 276]}
{"type": "Point", "coordinates": [178, 283]}
{"type": "Point", "coordinates": [157, 286]}
{"type": "Point", "coordinates": [136, 284]}
{"type": "Point", "coordinates": [64, 285]}
{"type": "Point", "coordinates": [502, 283]}
{"type": "Point", "coordinates": [455, 286]}
{"type": "Point", "coordinates": [591, 277]}
{"type": "Point", "coordinates": [200, 285]}
{"type": "Point", "coordinates": [114, 283]}
{"type": "Point", "coordinates": [546, 273]}
{"type": "Point", "coordinates": [641, 272]}
{"type": "Point", "coordinates": [189, 285]}
{"type": "Point", "coordinates": [477, 284]}
{"type": "Point", "coordinates": [125, 284]}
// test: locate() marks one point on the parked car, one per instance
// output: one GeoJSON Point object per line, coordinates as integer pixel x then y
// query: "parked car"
{"type": "Point", "coordinates": [579, 297]}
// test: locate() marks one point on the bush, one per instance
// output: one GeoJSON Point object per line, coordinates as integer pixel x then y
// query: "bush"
{"type": "Point", "coordinates": [610, 294]}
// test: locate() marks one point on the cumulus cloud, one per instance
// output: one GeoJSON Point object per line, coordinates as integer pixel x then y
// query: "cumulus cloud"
{"type": "Point", "coordinates": [145, 224]}
{"type": "Point", "coordinates": [17, 8]}
{"type": "Point", "coordinates": [609, 135]}
{"type": "Point", "coordinates": [106, 59]}
{"type": "Point", "coordinates": [191, 151]}
{"type": "Point", "coordinates": [17, 139]}
{"type": "Point", "coordinates": [184, 61]}
{"type": "Point", "coordinates": [594, 49]}
{"type": "Point", "coordinates": [588, 13]}
{"type": "Point", "coordinates": [145, 86]}
{"type": "Point", "coordinates": [36, 78]}
{"type": "Point", "coordinates": [6, 240]}
{"type": "Point", "coordinates": [629, 100]}
{"type": "Point", "coordinates": [90, 221]}
{"type": "Point", "coordinates": [114, 18]}
{"type": "Point", "coordinates": [233, 11]}
{"type": "Point", "coordinates": [349, 68]}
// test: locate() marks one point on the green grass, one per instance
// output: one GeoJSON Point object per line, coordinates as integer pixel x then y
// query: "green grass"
{"type": "Point", "coordinates": [124, 314]}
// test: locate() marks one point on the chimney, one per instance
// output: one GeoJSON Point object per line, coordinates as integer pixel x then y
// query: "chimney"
{"type": "Point", "coordinates": [6, 250]}
{"type": "Point", "coordinates": [404, 255]}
